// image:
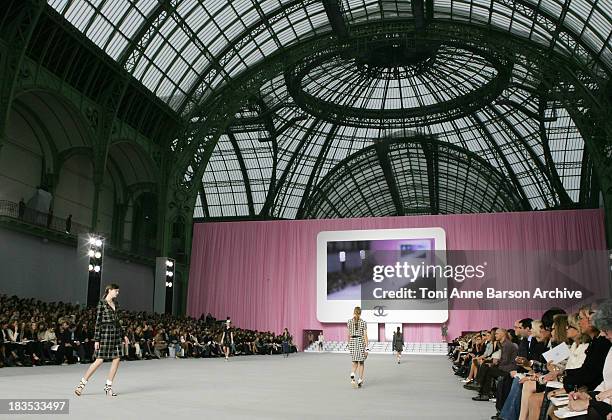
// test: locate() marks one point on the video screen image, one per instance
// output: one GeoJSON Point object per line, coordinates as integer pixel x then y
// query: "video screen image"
{"type": "Point", "coordinates": [350, 264]}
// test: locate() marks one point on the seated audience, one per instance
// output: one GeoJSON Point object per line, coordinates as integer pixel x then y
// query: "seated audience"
{"type": "Point", "coordinates": [36, 333]}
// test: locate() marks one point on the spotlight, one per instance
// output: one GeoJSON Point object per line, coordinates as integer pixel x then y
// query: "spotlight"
{"type": "Point", "coordinates": [97, 268]}
{"type": "Point", "coordinates": [98, 254]}
{"type": "Point", "coordinates": [168, 284]}
{"type": "Point", "coordinates": [169, 273]}
{"type": "Point", "coordinates": [91, 253]}
{"type": "Point", "coordinates": [91, 267]}
{"type": "Point", "coordinates": [92, 241]}
{"type": "Point", "coordinates": [98, 242]}
{"type": "Point", "coordinates": [169, 263]}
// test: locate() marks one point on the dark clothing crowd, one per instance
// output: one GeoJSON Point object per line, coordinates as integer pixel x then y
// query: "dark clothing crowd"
{"type": "Point", "coordinates": [34, 333]}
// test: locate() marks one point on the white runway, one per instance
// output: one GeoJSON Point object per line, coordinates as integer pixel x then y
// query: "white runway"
{"type": "Point", "coordinates": [304, 386]}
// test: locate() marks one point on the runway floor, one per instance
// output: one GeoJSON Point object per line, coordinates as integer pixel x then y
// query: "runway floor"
{"type": "Point", "coordinates": [303, 386]}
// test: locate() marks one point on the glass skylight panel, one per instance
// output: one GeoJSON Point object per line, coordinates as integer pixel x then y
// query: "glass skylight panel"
{"type": "Point", "coordinates": [500, 17]}
{"type": "Point", "coordinates": [574, 22]}
{"type": "Point", "coordinates": [461, 8]}
{"type": "Point", "coordinates": [157, 42]}
{"type": "Point", "coordinates": [235, 65]}
{"type": "Point", "coordinates": [234, 29]}
{"type": "Point", "coordinates": [193, 14]}
{"type": "Point", "coordinates": [599, 21]}
{"type": "Point", "coordinates": [442, 6]}
{"type": "Point", "coordinates": [80, 14]}
{"type": "Point", "coordinates": [198, 210]}
{"type": "Point", "coordinates": [152, 77]}
{"type": "Point", "coordinates": [242, 6]}
{"type": "Point", "coordinates": [480, 13]}
{"type": "Point", "coordinates": [218, 44]}
{"type": "Point", "coordinates": [552, 7]}
{"type": "Point", "coordinates": [99, 30]}
{"type": "Point", "coordinates": [115, 10]}
{"type": "Point", "coordinates": [212, 196]}
{"type": "Point", "coordinates": [165, 88]}
{"type": "Point", "coordinates": [320, 19]}
{"type": "Point", "coordinates": [58, 5]}
{"type": "Point", "coordinates": [592, 39]}
{"type": "Point", "coordinates": [268, 5]}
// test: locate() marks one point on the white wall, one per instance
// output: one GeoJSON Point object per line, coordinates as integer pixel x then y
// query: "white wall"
{"type": "Point", "coordinates": [47, 271]}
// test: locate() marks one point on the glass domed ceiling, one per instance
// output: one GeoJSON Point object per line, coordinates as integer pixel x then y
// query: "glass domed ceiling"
{"type": "Point", "coordinates": [347, 82]}
{"type": "Point", "coordinates": [440, 80]}
{"type": "Point", "coordinates": [290, 137]}
{"type": "Point", "coordinates": [179, 44]}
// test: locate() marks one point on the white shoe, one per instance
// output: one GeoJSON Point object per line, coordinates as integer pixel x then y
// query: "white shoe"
{"type": "Point", "coordinates": [466, 381]}
{"type": "Point", "coordinates": [353, 383]}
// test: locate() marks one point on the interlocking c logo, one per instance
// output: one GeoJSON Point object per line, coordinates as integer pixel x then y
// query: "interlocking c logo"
{"type": "Point", "coordinates": [380, 310]}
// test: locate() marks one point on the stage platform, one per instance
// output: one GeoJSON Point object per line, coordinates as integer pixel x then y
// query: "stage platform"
{"type": "Point", "coordinates": [303, 386]}
{"type": "Point", "coordinates": [383, 347]}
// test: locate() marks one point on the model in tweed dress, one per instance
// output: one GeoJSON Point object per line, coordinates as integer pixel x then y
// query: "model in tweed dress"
{"type": "Point", "coordinates": [107, 340]}
{"type": "Point", "coordinates": [358, 346]}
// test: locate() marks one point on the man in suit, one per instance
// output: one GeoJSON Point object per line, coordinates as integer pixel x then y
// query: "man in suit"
{"type": "Point", "coordinates": [66, 345]}
{"type": "Point", "coordinates": [527, 348]}
{"type": "Point", "coordinates": [501, 367]}
{"type": "Point", "coordinates": [527, 341]}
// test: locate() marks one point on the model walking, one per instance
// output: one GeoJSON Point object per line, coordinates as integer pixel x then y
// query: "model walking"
{"type": "Point", "coordinates": [398, 344]}
{"type": "Point", "coordinates": [286, 340]}
{"type": "Point", "coordinates": [227, 339]}
{"type": "Point", "coordinates": [107, 340]}
{"type": "Point", "coordinates": [358, 346]}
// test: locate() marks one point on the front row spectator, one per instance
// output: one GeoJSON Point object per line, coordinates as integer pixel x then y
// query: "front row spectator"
{"type": "Point", "coordinates": [498, 367]}
{"type": "Point", "coordinates": [598, 400]}
{"type": "Point", "coordinates": [524, 391]}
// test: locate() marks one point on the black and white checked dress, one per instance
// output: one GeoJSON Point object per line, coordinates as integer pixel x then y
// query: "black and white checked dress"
{"type": "Point", "coordinates": [356, 332]}
{"type": "Point", "coordinates": [108, 332]}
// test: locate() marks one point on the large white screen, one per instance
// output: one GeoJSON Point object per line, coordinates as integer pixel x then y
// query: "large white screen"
{"type": "Point", "coordinates": [339, 252]}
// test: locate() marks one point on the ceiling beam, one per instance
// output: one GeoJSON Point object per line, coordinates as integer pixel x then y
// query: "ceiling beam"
{"type": "Point", "coordinates": [333, 9]}
{"type": "Point", "coordinates": [245, 174]}
{"type": "Point", "coordinates": [431, 158]}
{"type": "Point", "coordinates": [418, 10]}
{"type": "Point", "coordinates": [382, 152]}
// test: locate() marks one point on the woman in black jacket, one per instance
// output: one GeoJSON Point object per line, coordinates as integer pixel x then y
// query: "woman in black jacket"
{"type": "Point", "coordinates": [107, 339]}
{"type": "Point", "coordinates": [590, 374]}
{"type": "Point", "coordinates": [286, 340]}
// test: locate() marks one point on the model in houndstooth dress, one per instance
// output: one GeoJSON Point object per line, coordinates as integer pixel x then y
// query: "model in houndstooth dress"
{"type": "Point", "coordinates": [108, 335]}
{"type": "Point", "coordinates": [108, 332]}
{"type": "Point", "coordinates": [356, 332]}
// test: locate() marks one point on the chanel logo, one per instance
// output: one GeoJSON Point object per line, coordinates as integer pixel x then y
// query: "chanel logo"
{"type": "Point", "coordinates": [380, 311]}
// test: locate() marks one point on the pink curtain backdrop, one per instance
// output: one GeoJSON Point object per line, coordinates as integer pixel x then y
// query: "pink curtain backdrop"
{"type": "Point", "coordinates": [263, 274]}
